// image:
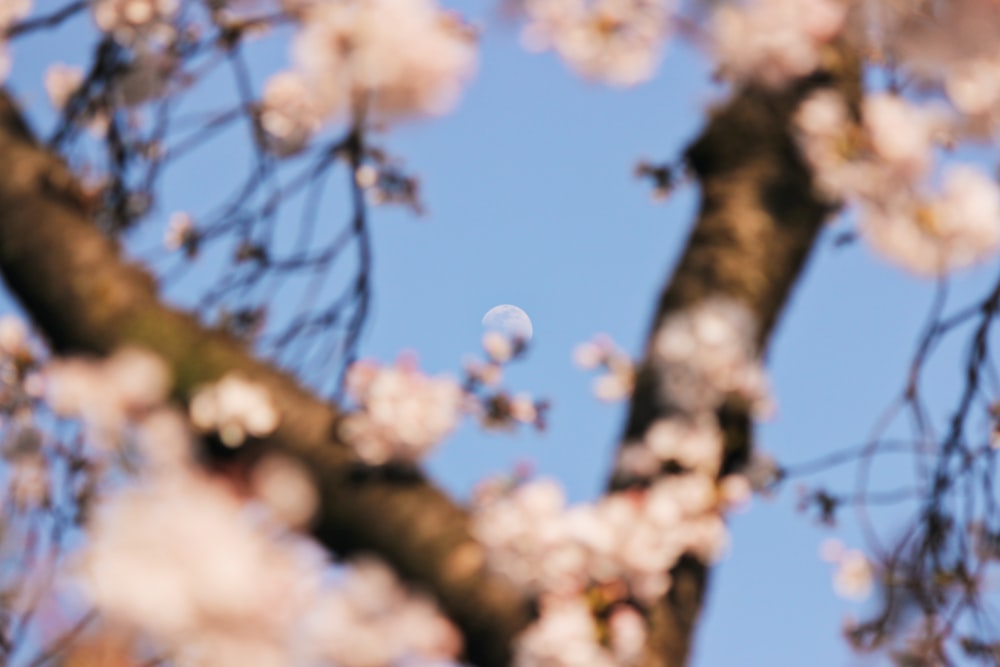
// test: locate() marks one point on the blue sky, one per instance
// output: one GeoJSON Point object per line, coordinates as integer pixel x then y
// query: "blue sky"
{"type": "Point", "coordinates": [532, 202]}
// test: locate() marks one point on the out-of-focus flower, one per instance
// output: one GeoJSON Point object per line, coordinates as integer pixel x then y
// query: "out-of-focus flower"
{"type": "Point", "coordinates": [628, 633]}
{"type": "Point", "coordinates": [902, 136]}
{"type": "Point", "coordinates": [772, 42]}
{"type": "Point", "coordinates": [372, 621]}
{"type": "Point", "coordinates": [13, 336]}
{"type": "Point", "coordinates": [179, 559]}
{"type": "Point", "coordinates": [706, 354]}
{"type": "Point", "coordinates": [12, 11]}
{"type": "Point", "coordinates": [180, 232]}
{"type": "Point", "coordinates": [290, 112]}
{"type": "Point", "coordinates": [498, 347]}
{"type": "Point", "coordinates": [886, 165]}
{"type": "Point", "coordinates": [235, 407]}
{"type": "Point", "coordinates": [634, 538]}
{"type": "Point", "coordinates": [958, 228]}
{"type": "Point", "coordinates": [564, 635]}
{"type": "Point", "coordinates": [618, 381]}
{"type": "Point", "coordinates": [618, 42]}
{"type": "Point", "coordinates": [349, 52]}
{"type": "Point", "coordinates": [735, 491]}
{"type": "Point", "coordinates": [107, 394]}
{"type": "Point", "coordinates": [61, 81]}
{"type": "Point", "coordinates": [403, 412]}
{"type": "Point", "coordinates": [854, 578]}
{"type": "Point", "coordinates": [129, 20]}
{"type": "Point", "coordinates": [286, 488]}
{"type": "Point", "coordinates": [694, 443]}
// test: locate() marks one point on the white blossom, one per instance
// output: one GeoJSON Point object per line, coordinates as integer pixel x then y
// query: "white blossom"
{"type": "Point", "coordinates": [618, 379]}
{"type": "Point", "coordinates": [772, 42]}
{"type": "Point", "coordinates": [350, 52]}
{"type": "Point", "coordinates": [286, 487]}
{"type": "Point", "coordinates": [854, 578]}
{"type": "Point", "coordinates": [618, 42]}
{"type": "Point", "coordinates": [236, 408]}
{"type": "Point", "coordinates": [957, 228]}
{"type": "Point", "coordinates": [404, 413]}
{"type": "Point", "coordinates": [130, 20]}
{"type": "Point", "coordinates": [707, 353]}
{"type": "Point", "coordinates": [180, 231]}
{"type": "Point", "coordinates": [534, 540]}
{"type": "Point", "coordinates": [106, 394]}
{"type": "Point", "coordinates": [61, 82]}
{"type": "Point", "coordinates": [565, 635]}
{"type": "Point", "coordinates": [290, 112]}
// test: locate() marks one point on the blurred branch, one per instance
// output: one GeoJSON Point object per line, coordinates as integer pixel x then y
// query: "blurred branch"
{"type": "Point", "coordinates": [52, 20]}
{"type": "Point", "coordinates": [86, 299]}
{"type": "Point", "coordinates": [757, 224]}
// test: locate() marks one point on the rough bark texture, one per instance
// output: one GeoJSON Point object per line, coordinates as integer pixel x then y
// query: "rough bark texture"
{"type": "Point", "coordinates": [754, 233]}
{"type": "Point", "coordinates": [757, 224]}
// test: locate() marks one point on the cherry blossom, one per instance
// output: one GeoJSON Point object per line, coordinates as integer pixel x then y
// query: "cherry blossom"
{"type": "Point", "coordinates": [619, 379]}
{"type": "Point", "coordinates": [404, 413]}
{"type": "Point", "coordinates": [707, 353]}
{"type": "Point", "coordinates": [131, 20]}
{"type": "Point", "coordinates": [349, 52]}
{"type": "Point", "coordinates": [107, 394]}
{"type": "Point", "coordinates": [236, 408]}
{"type": "Point", "coordinates": [61, 81]}
{"type": "Point", "coordinates": [618, 42]}
{"type": "Point", "coordinates": [772, 42]}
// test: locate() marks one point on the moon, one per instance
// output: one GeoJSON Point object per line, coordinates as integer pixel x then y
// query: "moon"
{"type": "Point", "coordinates": [510, 321]}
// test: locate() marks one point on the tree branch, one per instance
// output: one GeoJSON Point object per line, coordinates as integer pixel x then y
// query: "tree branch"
{"type": "Point", "coordinates": [86, 299]}
{"type": "Point", "coordinates": [756, 227]}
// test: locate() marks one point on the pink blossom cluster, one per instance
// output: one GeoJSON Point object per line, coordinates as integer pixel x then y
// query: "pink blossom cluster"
{"type": "Point", "coordinates": [631, 537]}
{"type": "Point", "coordinates": [385, 59]}
{"type": "Point", "coordinates": [107, 394]}
{"type": "Point", "coordinates": [205, 566]}
{"type": "Point", "coordinates": [611, 553]}
{"type": "Point", "coordinates": [180, 559]}
{"type": "Point", "coordinates": [236, 408]}
{"type": "Point", "coordinates": [772, 42]}
{"type": "Point", "coordinates": [371, 620]}
{"type": "Point", "coordinates": [694, 442]}
{"type": "Point", "coordinates": [61, 82]}
{"type": "Point", "coordinates": [404, 413]}
{"type": "Point", "coordinates": [854, 577]}
{"type": "Point", "coordinates": [618, 379]}
{"type": "Point", "coordinates": [11, 11]}
{"type": "Point", "coordinates": [621, 548]}
{"type": "Point", "coordinates": [618, 42]}
{"type": "Point", "coordinates": [706, 355]}
{"type": "Point", "coordinates": [953, 46]}
{"type": "Point", "coordinates": [131, 21]}
{"type": "Point", "coordinates": [494, 406]}
{"type": "Point", "coordinates": [886, 164]}
{"type": "Point", "coordinates": [564, 636]}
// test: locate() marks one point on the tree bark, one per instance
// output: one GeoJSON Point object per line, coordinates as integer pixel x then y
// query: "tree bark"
{"type": "Point", "coordinates": [86, 299]}
{"type": "Point", "coordinates": [757, 224]}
